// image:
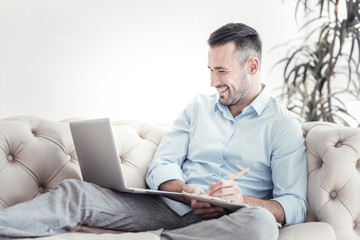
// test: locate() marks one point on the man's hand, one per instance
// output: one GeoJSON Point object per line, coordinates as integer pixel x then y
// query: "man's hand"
{"type": "Point", "coordinates": [229, 190]}
{"type": "Point", "coordinates": [206, 210]}
{"type": "Point", "coordinates": [201, 209]}
{"type": "Point", "coordinates": [226, 189]}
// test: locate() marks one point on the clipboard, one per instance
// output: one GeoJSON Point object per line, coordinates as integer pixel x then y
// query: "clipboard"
{"type": "Point", "coordinates": [220, 202]}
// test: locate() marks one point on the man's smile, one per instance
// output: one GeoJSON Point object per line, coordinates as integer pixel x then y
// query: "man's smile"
{"type": "Point", "coordinates": [222, 89]}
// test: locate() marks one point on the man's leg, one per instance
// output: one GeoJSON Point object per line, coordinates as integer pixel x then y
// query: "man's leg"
{"type": "Point", "coordinates": [244, 224]}
{"type": "Point", "coordinates": [75, 202]}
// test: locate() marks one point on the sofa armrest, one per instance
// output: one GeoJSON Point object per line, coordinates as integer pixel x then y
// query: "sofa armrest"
{"type": "Point", "coordinates": [308, 231]}
{"type": "Point", "coordinates": [333, 163]}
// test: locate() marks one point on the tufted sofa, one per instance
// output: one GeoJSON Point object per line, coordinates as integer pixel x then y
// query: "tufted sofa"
{"type": "Point", "coordinates": [36, 154]}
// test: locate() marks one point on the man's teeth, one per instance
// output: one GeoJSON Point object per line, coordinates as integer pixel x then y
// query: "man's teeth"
{"type": "Point", "coordinates": [223, 89]}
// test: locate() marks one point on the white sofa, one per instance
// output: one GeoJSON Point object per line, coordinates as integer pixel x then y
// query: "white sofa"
{"type": "Point", "coordinates": [36, 154]}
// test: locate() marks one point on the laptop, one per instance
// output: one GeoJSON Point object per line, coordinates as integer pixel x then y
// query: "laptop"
{"type": "Point", "coordinates": [99, 159]}
{"type": "Point", "coordinates": [99, 162]}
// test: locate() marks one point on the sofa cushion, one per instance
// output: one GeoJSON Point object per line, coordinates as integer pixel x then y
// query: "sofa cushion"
{"type": "Point", "coordinates": [308, 231]}
{"type": "Point", "coordinates": [106, 236]}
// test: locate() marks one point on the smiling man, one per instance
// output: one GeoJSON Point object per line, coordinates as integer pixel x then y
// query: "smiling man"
{"type": "Point", "coordinates": [215, 137]}
{"type": "Point", "coordinates": [236, 76]}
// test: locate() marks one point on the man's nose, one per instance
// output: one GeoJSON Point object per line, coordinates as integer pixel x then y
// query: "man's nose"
{"type": "Point", "coordinates": [214, 80]}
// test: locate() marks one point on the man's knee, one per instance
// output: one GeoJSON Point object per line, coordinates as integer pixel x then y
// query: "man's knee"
{"type": "Point", "coordinates": [260, 223]}
{"type": "Point", "coordinates": [69, 182]}
{"type": "Point", "coordinates": [70, 185]}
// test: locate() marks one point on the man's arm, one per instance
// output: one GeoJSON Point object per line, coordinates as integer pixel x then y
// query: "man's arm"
{"type": "Point", "coordinates": [178, 186]}
{"type": "Point", "coordinates": [273, 206]}
{"type": "Point", "coordinates": [228, 189]}
{"type": "Point", "coordinates": [224, 189]}
{"type": "Point", "coordinates": [289, 172]}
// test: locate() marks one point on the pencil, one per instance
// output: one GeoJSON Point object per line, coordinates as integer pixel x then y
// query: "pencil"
{"type": "Point", "coordinates": [236, 175]}
{"type": "Point", "coordinates": [239, 174]}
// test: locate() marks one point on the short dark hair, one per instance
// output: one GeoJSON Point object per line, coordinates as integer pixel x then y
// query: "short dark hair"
{"type": "Point", "coordinates": [246, 39]}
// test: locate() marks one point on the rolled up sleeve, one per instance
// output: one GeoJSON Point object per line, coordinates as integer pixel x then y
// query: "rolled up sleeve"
{"type": "Point", "coordinates": [172, 151]}
{"type": "Point", "coordinates": [289, 172]}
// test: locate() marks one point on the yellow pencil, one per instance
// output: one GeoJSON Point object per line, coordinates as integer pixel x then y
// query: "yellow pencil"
{"type": "Point", "coordinates": [237, 175]}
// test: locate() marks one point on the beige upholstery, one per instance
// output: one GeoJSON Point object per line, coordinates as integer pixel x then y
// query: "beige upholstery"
{"type": "Point", "coordinates": [333, 161]}
{"type": "Point", "coordinates": [35, 154]}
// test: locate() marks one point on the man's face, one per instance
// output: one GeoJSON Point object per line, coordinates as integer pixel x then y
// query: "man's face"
{"type": "Point", "coordinates": [227, 76]}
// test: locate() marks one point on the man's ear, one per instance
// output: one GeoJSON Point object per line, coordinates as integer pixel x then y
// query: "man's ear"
{"type": "Point", "coordinates": [253, 65]}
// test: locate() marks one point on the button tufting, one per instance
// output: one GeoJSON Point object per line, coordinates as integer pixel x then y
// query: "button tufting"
{"type": "Point", "coordinates": [333, 194]}
{"type": "Point", "coordinates": [358, 164]}
{"type": "Point", "coordinates": [353, 225]}
{"type": "Point", "coordinates": [33, 133]}
{"type": "Point", "coordinates": [41, 189]}
{"type": "Point", "coordinates": [10, 158]}
{"type": "Point", "coordinates": [338, 144]}
{"type": "Point", "coordinates": [68, 157]}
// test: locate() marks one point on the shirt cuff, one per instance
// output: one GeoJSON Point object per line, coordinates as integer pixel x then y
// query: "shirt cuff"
{"type": "Point", "coordinates": [294, 209]}
{"type": "Point", "coordinates": [163, 173]}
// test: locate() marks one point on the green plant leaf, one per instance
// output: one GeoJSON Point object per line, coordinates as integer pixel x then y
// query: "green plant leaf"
{"type": "Point", "coordinates": [320, 75]}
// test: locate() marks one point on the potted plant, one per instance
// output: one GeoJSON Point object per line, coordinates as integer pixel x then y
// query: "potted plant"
{"type": "Point", "coordinates": [322, 71]}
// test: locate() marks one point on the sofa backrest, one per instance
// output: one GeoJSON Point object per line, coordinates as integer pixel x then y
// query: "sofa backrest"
{"type": "Point", "coordinates": [36, 154]}
{"type": "Point", "coordinates": [333, 165]}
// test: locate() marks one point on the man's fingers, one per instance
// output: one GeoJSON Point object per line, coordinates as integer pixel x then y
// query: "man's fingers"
{"type": "Point", "coordinates": [220, 186]}
{"type": "Point", "coordinates": [197, 204]}
{"type": "Point", "coordinates": [211, 212]}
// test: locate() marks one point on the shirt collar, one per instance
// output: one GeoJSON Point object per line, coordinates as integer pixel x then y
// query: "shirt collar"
{"type": "Point", "coordinates": [261, 101]}
{"type": "Point", "coordinates": [258, 105]}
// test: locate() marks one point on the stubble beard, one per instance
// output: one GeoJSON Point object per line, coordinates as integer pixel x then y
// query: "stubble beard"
{"type": "Point", "coordinates": [233, 99]}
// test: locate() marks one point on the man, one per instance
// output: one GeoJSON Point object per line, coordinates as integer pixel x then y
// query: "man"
{"type": "Point", "coordinates": [214, 138]}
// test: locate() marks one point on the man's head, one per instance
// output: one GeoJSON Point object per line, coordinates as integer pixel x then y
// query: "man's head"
{"type": "Point", "coordinates": [247, 40]}
{"type": "Point", "coordinates": [234, 62]}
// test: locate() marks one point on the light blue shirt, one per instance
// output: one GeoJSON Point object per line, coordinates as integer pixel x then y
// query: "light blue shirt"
{"type": "Point", "coordinates": [207, 144]}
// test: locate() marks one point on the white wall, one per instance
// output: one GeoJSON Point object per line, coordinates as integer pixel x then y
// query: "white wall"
{"type": "Point", "coordinates": [123, 59]}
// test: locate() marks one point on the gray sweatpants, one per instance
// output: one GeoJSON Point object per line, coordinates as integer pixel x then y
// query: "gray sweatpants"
{"type": "Point", "coordinates": [75, 202]}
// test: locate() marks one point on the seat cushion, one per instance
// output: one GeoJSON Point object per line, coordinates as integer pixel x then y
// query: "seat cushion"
{"type": "Point", "coordinates": [308, 231]}
{"type": "Point", "coordinates": [106, 236]}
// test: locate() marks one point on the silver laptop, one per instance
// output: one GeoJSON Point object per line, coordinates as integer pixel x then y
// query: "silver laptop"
{"type": "Point", "coordinates": [98, 157]}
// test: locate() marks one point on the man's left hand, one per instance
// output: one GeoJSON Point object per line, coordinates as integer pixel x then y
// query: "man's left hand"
{"type": "Point", "coordinates": [206, 210]}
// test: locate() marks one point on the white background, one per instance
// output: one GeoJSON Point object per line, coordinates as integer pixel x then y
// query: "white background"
{"type": "Point", "coordinates": [123, 59]}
